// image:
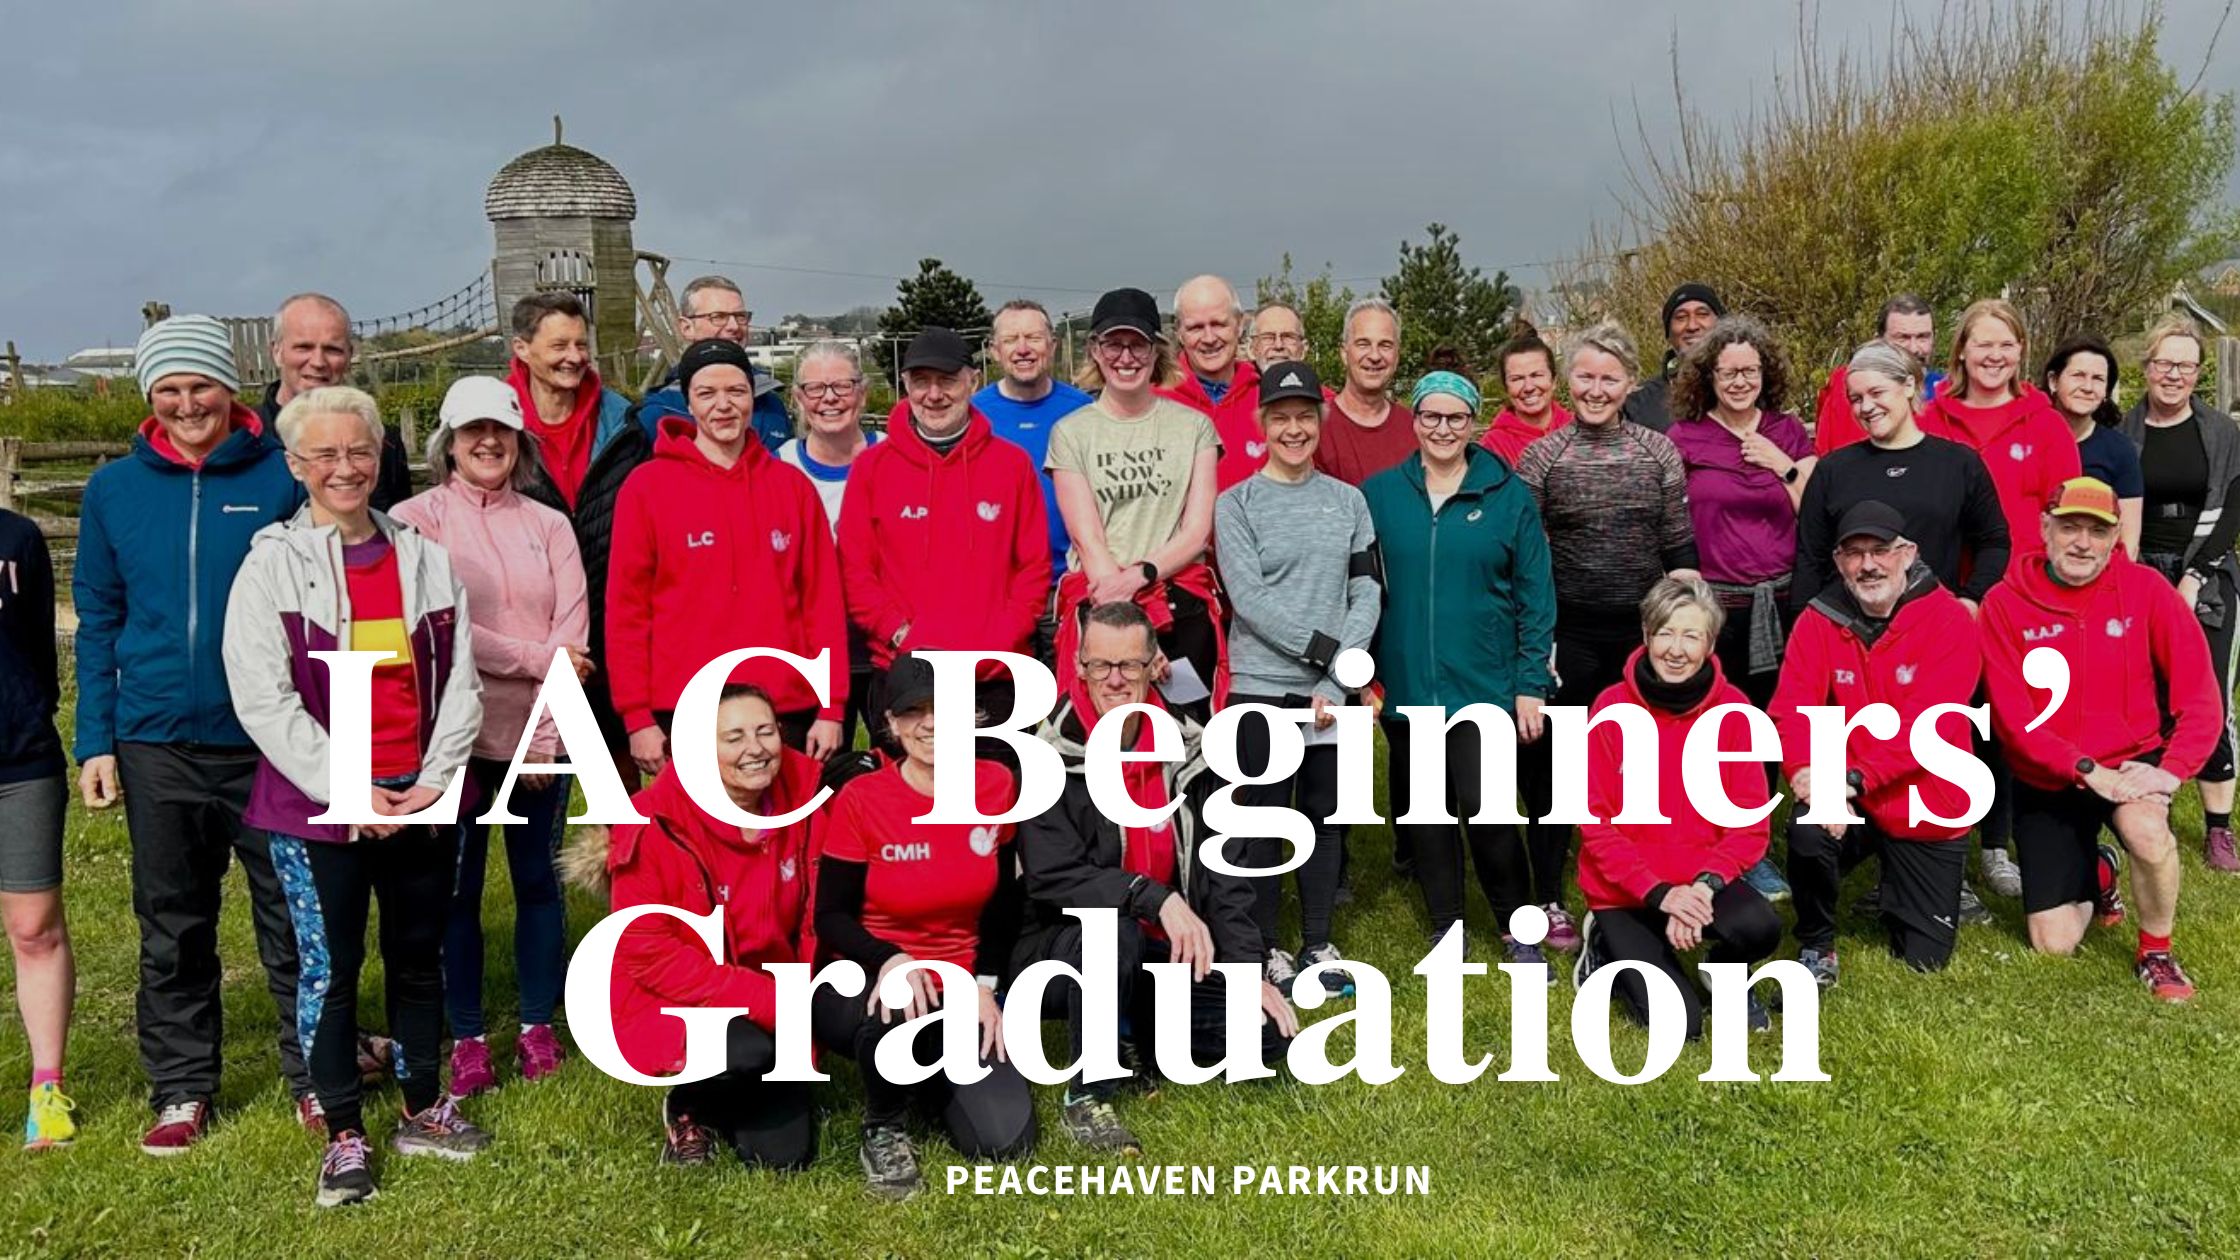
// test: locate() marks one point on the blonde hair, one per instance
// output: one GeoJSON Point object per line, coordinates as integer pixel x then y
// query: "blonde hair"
{"type": "Point", "coordinates": [328, 400]}
{"type": "Point", "coordinates": [2171, 325]}
{"type": "Point", "coordinates": [1610, 339]}
{"type": "Point", "coordinates": [1670, 595]}
{"type": "Point", "coordinates": [1988, 308]}
{"type": "Point", "coordinates": [1165, 372]}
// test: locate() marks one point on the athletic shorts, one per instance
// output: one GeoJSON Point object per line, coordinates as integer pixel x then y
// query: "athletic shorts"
{"type": "Point", "coordinates": [31, 834]}
{"type": "Point", "coordinates": [2057, 844]}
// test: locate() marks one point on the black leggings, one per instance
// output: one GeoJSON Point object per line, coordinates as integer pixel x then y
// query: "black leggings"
{"type": "Point", "coordinates": [1313, 791]}
{"type": "Point", "coordinates": [330, 889]}
{"type": "Point", "coordinates": [2220, 766]}
{"type": "Point", "coordinates": [1744, 928]}
{"type": "Point", "coordinates": [991, 1118]}
{"type": "Point", "coordinates": [1920, 889]}
{"type": "Point", "coordinates": [1592, 644]}
{"type": "Point", "coordinates": [771, 1124]}
{"type": "Point", "coordinates": [1495, 848]}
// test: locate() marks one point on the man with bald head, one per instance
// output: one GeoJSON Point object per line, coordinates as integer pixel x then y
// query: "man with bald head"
{"type": "Point", "coordinates": [1278, 336]}
{"type": "Point", "coordinates": [312, 346]}
{"type": "Point", "coordinates": [1209, 327]}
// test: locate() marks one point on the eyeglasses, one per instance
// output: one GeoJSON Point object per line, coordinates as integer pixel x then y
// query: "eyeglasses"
{"type": "Point", "coordinates": [1131, 348]}
{"type": "Point", "coordinates": [1098, 671]}
{"type": "Point", "coordinates": [2174, 369]}
{"type": "Point", "coordinates": [1729, 376]}
{"type": "Point", "coordinates": [720, 318]}
{"type": "Point", "coordinates": [327, 457]}
{"type": "Point", "coordinates": [829, 389]}
{"type": "Point", "coordinates": [1444, 419]}
{"type": "Point", "coordinates": [1279, 339]}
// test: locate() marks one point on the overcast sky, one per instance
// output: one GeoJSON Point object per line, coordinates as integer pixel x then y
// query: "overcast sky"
{"type": "Point", "coordinates": [218, 154]}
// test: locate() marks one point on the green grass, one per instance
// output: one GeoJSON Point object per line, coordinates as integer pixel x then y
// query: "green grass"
{"type": "Point", "coordinates": [2012, 1105]}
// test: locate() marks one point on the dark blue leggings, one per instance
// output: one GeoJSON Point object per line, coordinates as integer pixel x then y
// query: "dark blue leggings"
{"type": "Point", "coordinates": [539, 917]}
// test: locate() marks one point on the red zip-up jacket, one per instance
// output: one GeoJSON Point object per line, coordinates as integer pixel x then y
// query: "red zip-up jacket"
{"type": "Point", "coordinates": [706, 560]}
{"type": "Point", "coordinates": [2025, 445]}
{"type": "Point", "coordinates": [2138, 667]}
{"type": "Point", "coordinates": [1619, 865]}
{"type": "Point", "coordinates": [686, 859]}
{"type": "Point", "coordinates": [955, 546]}
{"type": "Point", "coordinates": [1925, 656]}
{"type": "Point", "coordinates": [1507, 436]}
{"type": "Point", "coordinates": [1236, 420]}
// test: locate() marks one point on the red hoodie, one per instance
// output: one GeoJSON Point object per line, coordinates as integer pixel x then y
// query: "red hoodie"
{"type": "Point", "coordinates": [1508, 435]}
{"type": "Point", "coordinates": [686, 859]}
{"type": "Point", "coordinates": [565, 447]}
{"type": "Point", "coordinates": [1924, 657]}
{"type": "Point", "coordinates": [1236, 420]}
{"type": "Point", "coordinates": [1618, 866]}
{"type": "Point", "coordinates": [706, 560]}
{"type": "Point", "coordinates": [159, 438]}
{"type": "Point", "coordinates": [2025, 445]}
{"type": "Point", "coordinates": [955, 546]}
{"type": "Point", "coordinates": [2130, 641]}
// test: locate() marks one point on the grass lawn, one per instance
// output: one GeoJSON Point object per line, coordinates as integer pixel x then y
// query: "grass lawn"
{"type": "Point", "coordinates": [2012, 1105]}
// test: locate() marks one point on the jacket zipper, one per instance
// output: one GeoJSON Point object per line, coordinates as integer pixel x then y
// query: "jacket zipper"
{"type": "Point", "coordinates": [194, 566]}
{"type": "Point", "coordinates": [1431, 617]}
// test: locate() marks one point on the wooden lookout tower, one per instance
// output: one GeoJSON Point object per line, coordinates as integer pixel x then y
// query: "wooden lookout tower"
{"type": "Point", "coordinates": [562, 217]}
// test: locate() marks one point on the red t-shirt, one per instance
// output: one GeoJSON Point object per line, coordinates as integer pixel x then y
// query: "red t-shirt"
{"type": "Point", "coordinates": [924, 884]}
{"type": "Point", "coordinates": [1354, 454]}
{"type": "Point", "coordinates": [377, 625]}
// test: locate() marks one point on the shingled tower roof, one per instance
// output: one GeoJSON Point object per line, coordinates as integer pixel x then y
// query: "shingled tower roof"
{"type": "Point", "coordinates": [559, 181]}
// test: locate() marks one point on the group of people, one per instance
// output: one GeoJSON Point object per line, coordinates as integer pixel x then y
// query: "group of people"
{"type": "Point", "coordinates": [1203, 522]}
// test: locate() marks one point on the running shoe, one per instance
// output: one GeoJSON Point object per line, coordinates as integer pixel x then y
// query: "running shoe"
{"type": "Point", "coordinates": [1821, 963]}
{"type": "Point", "coordinates": [1563, 930]}
{"type": "Point", "coordinates": [1091, 1122]}
{"type": "Point", "coordinates": [1337, 983]}
{"type": "Point", "coordinates": [2164, 977]}
{"type": "Point", "coordinates": [312, 1115]}
{"type": "Point", "coordinates": [375, 1054]}
{"type": "Point", "coordinates": [48, 1121]}
{"type": "Point", "coordinates": [1766, 878]}
{"type": "Point", "coordinates": [1870, 902]}
{"type": "Point", "coordinates": [471, 1072]}
{"type": "Point", "coordinates": [685, 1142]}
{"type": "Point", "coordinates": [1761, 1019]}
{"type": "Point", "coordinates": [1281, 970]}
{"type": "Point", "coordinates": [2001, 875]}
{"type": "Point", "coordinates": [1971, 906]}
{"type": "Point", "coordinates": [1589, 955]}
{"type": "Point", "coordinates": [178, 1126]}
{"type": "Point", "coordinates": [2219, 851]}
{"type": "Point", "coordinates": [440, 1131]}
{"type": "Point", "coordinates": [890, 1162]}
{"type": "Point", "coordinates": [541, 1052]}
{"type": "Point", "coordinates": [1457, 928]}
{"type": "Point", "coordinates": [2107, 908]}
{"type": "Point", "coordinates": [346, 1174]}
{"type": "Point", "coordinates": [1516, 951]}
{"type": "Point", "coordinates": [1140, 1081]}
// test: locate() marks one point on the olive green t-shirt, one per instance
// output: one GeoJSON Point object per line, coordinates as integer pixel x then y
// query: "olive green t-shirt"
{"type": "Point", "coordinates": [1139, 469]}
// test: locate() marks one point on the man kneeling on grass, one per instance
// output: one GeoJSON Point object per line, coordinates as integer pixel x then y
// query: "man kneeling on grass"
{"type": "Point", "coordinates": [2140, 717]}
{"type": "Point", "coordinates": [1173, 908]}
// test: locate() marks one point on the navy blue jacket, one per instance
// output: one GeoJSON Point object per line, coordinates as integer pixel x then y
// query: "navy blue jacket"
{"type": "Point", "coordinates": [772, 423]}
{"type": "Point", "coordinates": [158, 545]}
{"type": "Point", "coordinates": [30, 686]}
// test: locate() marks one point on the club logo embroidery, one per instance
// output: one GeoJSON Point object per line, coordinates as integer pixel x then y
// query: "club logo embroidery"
{"type": "Point", "coordinates": [2018, 452]}
{"type": "Point", "coordinates": [1845, 678]}
{"type": "Point", "coordinates": [1255, 450]}
{"type": "Point", "coordinates": [990, 511]}
{"type": "Point", "coordinates": [914, 513]}
{"type": "Point", "coordinates": [983, 840]}
{"type": "Point", "coordinates": [780, 540]}
{"type": "Point", "coordinates": [2036, 634]}
{"type": "Point", "coordinates": [1905, 675]}
{"type": "Point", "coordinates": [785, 869]}
{"type": "Point", "coordinates": [705, 538]}
{"type": "Point", "coordinates": [2117, 625]}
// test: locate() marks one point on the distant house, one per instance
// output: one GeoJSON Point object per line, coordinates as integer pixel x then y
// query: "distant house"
{"type": "Point", "coordinates": [107, 361]}
{"type": "Point", "coordinates": [2222, 279]}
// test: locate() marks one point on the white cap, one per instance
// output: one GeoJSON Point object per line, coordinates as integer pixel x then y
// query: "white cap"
{"type": "Point", "coordinates": [473, 398]}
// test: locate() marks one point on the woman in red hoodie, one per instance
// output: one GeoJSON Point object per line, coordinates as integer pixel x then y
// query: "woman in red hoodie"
{"type": "Point", "coordinates": [718, 546]}
{"type": "Point", "coordinates": [892, 891]}
{"type": "Point", "coordinates": [684, 858]}
{"type": "Point", "coordinates": [1656, 891]}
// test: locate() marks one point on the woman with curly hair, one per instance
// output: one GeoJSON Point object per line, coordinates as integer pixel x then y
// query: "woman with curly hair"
{"type": "Point", "coordinates": [1747, 461]}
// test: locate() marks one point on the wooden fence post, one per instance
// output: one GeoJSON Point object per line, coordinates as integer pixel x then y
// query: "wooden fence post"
{"type": "Point", "coordinates": [11, 465]}
{"type": "Point", "coordinates": [2228, 373]}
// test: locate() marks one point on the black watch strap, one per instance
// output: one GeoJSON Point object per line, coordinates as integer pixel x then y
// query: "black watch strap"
{"type": "Point", "coordinates": [1150, 571]}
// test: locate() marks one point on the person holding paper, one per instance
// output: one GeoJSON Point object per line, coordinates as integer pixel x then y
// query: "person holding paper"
{"type": "Point", "coordinates": [1293, 547]}
{"type": "Point", "coordinates": [339, 576]}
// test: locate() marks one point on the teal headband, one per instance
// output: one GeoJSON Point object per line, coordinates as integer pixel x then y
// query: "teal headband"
{"type": "Point", "coordinates": [1445, 383]}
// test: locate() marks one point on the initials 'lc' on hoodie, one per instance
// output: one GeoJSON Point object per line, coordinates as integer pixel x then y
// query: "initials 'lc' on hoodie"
{"type": "Point", "coordinates": [953, 545]}
{"type": "Point", "coordinates": [709, 559]}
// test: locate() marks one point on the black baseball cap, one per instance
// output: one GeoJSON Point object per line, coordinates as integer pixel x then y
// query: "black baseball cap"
{"type": "Point", "coordinates": [909, 684]}
{"type": "Point", "coordinates": [1872, 518]}
{"type": "Point", "coordinates": [1125, 308]}
{"type": "Point", "coordinates": [1289, 379]}
{"type": "Point", "coordinates": [937, 348]}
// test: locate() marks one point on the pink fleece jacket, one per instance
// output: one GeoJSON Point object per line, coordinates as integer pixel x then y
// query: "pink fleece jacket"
{"type": "Point", "coordinates": [525, 598]}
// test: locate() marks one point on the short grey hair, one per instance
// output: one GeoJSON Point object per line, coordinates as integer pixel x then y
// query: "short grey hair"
{"type": "Point", "coordinates": [328, 400]}
{"type": "Point", "coordinates": [829, 348]}
{"type": "Point", "coordinates": [1609, 338]}
{"type": "Point", "coordinates": [528, 463]}
{"type": "Point", "coordinates": [1886, 359]}
{"type": "Point", "coordinates": [701, 285]}
{"type": "Point", "coordinates": [1236, 305]}
{"type": "Point", "coordinates": [332, 307]}
{"type": "Point", "coordinates": [1671, 594]}
{"type": "Point", "coordinates": [1368, 304]}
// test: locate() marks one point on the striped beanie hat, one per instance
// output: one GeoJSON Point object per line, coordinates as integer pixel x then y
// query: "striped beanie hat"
{"type": "Point", "coordinates": [186, 343]}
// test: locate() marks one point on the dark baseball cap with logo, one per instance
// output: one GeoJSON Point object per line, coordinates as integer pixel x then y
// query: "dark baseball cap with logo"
{"type": "Point", "coordinates": [1289, 379]}
{"type": "Point", "coordinates": [1870, 518]}
{"type": "Point", "coordinates": [909, 685]}
{"type": "Point", "coordinates": [938, 348]}
{"type": "Point", "coordinates": [1131, 309]}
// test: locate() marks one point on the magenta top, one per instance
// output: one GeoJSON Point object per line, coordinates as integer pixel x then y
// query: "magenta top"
{"type": "Point", "coordinates": [1746, 530]}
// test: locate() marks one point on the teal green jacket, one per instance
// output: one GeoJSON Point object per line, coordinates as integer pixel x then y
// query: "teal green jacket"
{"type": "Point", "coordinates": [1469, 598]}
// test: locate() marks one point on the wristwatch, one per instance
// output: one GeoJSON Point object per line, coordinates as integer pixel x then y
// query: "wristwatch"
{"type": "Point", "coordinates": [1711, 883]}
{"type": "Point", "coordinates": [1150, 572]}
{"type": "Point", "coordinates": [1789, 478]}
{"type": "Point", "coordinates": [2085, 767]}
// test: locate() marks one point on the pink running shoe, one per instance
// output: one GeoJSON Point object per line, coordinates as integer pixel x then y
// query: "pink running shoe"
{"type": "Point", "coordinates": [471, 1072]}
{"type": "Point", "coordinates": [1563, 930]}
{"type": "Point", "coordinates": [541, 1053]}
{"type": "Point", "coordinates": [2220, 851]}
